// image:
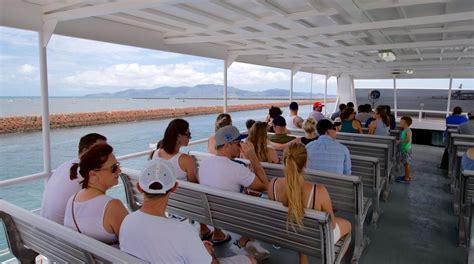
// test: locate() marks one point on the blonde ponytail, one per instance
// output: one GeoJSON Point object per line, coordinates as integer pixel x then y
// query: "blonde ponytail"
{"type": "Point", "coordinates": [295, 157]}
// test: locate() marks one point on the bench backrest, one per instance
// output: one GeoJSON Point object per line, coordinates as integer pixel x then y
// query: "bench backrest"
{"type": "Point", "coordinates": [259, 218]}
{"type": "Point", "coordinates": [346, 191]}
{"type": "Point", "coordinates": [368, 168]}
{"type": "Point", "coordinates": [376, 150]}
{"type": "Point", "coordinates": [55, 242]}
{"type": "Point", "coordinates": [468, 186]}
{"type": "Point", "coordinates": [388, 140]}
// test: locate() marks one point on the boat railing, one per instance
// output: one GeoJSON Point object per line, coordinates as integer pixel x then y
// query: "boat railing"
{"type": "Point", "coordinates": [42, 175]}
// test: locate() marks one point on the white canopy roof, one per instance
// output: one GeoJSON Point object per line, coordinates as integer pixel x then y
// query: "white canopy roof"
{"type": "Point", "coordinates": [432, 37]}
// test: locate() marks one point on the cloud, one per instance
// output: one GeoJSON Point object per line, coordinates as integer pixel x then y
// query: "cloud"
{"type": "Point", "coordinates": [26, 69]}
{"type": "Point", "coordinates": [134, 75]}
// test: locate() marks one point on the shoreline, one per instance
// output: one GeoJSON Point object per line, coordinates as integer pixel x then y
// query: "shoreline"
{"type": "Point", "coordinates": [34, 123]}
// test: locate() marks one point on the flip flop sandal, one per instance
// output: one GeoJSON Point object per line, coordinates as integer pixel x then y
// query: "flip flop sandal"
{"type": "Point", "coordinates": [207, 236]}
{"type": "Point", "coordinates": [222, 241]}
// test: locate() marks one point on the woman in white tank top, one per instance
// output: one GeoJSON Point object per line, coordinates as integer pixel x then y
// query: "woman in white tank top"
{"type": "Point", "coordinates": [177, 135]}
{"type": "Point", "coordinates": [90, 211]}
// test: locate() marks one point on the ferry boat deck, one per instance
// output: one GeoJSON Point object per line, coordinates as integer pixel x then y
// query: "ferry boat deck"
{"type": "Point", "coordinates": [346, 39]}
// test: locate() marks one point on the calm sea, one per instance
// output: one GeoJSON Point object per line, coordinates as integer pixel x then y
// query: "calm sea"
{"type": "Point", "coordinates": [21, 153]}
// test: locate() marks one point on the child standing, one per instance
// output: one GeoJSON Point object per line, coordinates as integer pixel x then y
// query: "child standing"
{"type": "Point", "coordinates": [405, 148]}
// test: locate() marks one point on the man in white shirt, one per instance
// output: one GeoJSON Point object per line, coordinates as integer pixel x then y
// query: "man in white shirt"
{"type": "Point", "coordinates": [290, 119]}
{"type": "Point", "coordinates": [148, 234]}
{"type": "Point", "coordinates": [222, 172]}
{"type": "Point", "coordinates": [59, 187]}
{"type": "Point", "coordinates": [317, 112]}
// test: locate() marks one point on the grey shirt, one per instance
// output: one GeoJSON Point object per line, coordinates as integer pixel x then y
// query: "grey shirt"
{"type": "Point", "coordinates": [467, 128]}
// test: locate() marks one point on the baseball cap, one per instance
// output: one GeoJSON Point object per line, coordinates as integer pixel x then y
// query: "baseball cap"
{"type": "Point", "coordinates": [157, 171]}
{"type": "Point", "coordinates": [293, 106]}
{"type": "Point", "coordinates": [279, 121]}
{"type": "Point", "coordinates": [323, 126]}
{"type": "Point", "coordinates": [317, 104]}
{"type": "Point", "coordinates": [228, 134]}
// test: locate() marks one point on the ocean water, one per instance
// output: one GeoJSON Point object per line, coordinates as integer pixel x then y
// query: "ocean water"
{"type": "Point", "coordinates": [19, 106]}
{"type": "Point", "coordinates": [21, 153]}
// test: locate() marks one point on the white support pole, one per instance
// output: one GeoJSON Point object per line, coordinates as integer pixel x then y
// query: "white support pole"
{"type": "Point", "coordinates": [225, 85]}
{"type": "Point", "coordinates": [325, 94]}
{"type": "Point", "coordinates": [294, 69]}
{"type": "Point", "coordinates": [449, 95]}
{"type": "Point", "coordinates": [227, 62]}
{"type": "Point", "coordinates": [291, 88]}
{"type": "Point", "coordinates": [311, 89]}
{"type": "Point", "coordinates": [395, 108]}
{"type": "Point", "coordinates": [44, 103]}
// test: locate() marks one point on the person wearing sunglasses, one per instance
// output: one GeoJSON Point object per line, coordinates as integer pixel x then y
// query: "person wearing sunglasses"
{"type": "Point", "coordinates": [177, 135]}
{"type": "Point", "coordinates": [90, 211]}
{"type": "Point", "coordinates": [60, 187]}
{"type": "Point", "coordinates": [326, 154]}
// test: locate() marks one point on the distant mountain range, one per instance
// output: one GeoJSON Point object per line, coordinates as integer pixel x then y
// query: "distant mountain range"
{"type": "Point", "coordinates": [203, 91]}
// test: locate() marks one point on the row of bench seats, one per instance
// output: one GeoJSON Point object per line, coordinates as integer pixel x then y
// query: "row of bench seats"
{"type": "Point", "coordinates": [465, 213]}
{"type": "Point", "coordinates": [259, 218]}
{"type": "Point", "coordinates": [347, 194]}
{"type": "Point", "coordinates": [29, 235]}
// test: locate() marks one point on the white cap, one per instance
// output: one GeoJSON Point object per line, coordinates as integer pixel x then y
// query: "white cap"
{"type": "Point", "coordinates": [157, 171]}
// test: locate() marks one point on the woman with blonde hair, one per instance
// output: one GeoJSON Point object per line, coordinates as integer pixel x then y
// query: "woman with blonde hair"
{"type": "Point", "coordinates": [222, 120]}
{"type": "Point", "coordinates": [297, 194]}
{"type": "Point", "coordinates": [259, 139]}
{"type": "Point", "coordinates": [309, 127]}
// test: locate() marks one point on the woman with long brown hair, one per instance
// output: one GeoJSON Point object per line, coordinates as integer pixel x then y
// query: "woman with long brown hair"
{"type": "Point", "coordinates": [348, 122]}
{"type": "Point", "coordinates": [90, 211]}
{"type": "Point", "coordinates": [297, 194]}
{"type": "Point", "coordinates": [381, 125]}
{"type": "Point", "coordinates": [259, 139]}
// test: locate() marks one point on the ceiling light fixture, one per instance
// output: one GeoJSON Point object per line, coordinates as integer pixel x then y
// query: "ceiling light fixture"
{"type": "Point", "coordinates": [409, 71]}
{"type": "Point", "coordinates": [387, 55]}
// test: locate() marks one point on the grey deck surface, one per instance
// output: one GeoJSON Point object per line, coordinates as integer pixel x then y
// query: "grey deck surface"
{"type": "Point", "coordinates": [417, 224]}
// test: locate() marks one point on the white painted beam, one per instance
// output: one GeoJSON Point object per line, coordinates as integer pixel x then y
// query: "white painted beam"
{"type": "Point", "coordinates": [63, 4]}
{"type": "Point", "coordinates": [380, 4]}
{"type": "Point", "coordinates": [430, 30]}
{"type": "Point", "coordinates": [404, 45]}
{"type": "Point", "coordinates": [110, 8]}
{"type": "Point", "coordinates": [395, 23]}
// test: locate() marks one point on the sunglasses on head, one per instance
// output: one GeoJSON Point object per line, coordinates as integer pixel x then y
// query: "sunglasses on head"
{"type": "Point", "coordinates": [112, 169]}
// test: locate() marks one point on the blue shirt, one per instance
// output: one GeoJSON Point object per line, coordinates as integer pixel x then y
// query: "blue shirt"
{"type": "Point", "coordinates": [455, 119]}
{"type": "Point", "coordinates": [326, 154]}
{"type": "Point", "coordinates": [467, 163]}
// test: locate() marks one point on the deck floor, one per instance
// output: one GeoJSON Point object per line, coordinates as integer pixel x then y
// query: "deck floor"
{"type": "Point", "coordinates": [417, 224]}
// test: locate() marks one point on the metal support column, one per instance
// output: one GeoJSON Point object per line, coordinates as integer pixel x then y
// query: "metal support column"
{"type": "Point", "coordinates": [225, 85]}
{"type": "Point", "coordinates": [325, 95]}
{"type": "Point", "coordinates": [395, 108]}
{"type": "Point", "coordinates": [291, 87]}
{"type": "Point", "coordinates": [449, 95]}
{"type": "Point", "coordinates": [44, 103]}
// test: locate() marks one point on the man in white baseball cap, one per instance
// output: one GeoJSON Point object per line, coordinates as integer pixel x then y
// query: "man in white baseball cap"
{"type": "Point", "coordinates": [149, 235]}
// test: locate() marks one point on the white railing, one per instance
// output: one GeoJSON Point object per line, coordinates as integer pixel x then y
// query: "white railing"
{"type": "Point", "coordinates": [42, 175]}
{"type": "Point", "coordinates": [422, 111]}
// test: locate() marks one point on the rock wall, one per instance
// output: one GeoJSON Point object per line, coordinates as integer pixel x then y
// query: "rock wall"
{"type": "Point", "coordinates": [33, 123]}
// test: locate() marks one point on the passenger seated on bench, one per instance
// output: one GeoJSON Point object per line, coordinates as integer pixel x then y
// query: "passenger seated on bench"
{"type": "Point", "coordinates": [456, 118]}
{"type": "Point", "coordinates": [348, 123]}
{"type": "Point", "coordinates": [259, 139]}
{"type": "Point", "coordinates": [468, 127]}
{"type": "Point", "coordinates": [296, 193]}
{"type": "Point", "coordinates": [222, 120]}
{"type": "Point", "coordinates": [326, 154]}
{"type": "Point", "coordinates": [290, 119]}
{"type": "Point", "coordinates": [393, 123]}
{"type": "Point", "coordinates": [148, 234]}
{"type": "Point", "coordinates": [365, 112]}
{"type": "Point", "coordinates": [381, 125]}
{"type": "Point", "coordinates": [60, 187]}
{"type": "Point", "coordinates": [336, 114]}
{"type": "Point", "coordinates": [90, 211]}
{"type": "Point", "coordinates": [467, 162]}
{"type": "Point", "coordinates": [249, 123]}
{"type": "Point", "coordinates": [317, 112]}
{"type": "Point", "coordinates": [177, 135]}
{"type": "Point", "coordinates": [273, 112]}
{"type": "Point", "coordinates": [310, 134]}
{"type": "Point", "coordinates": [222, 172]}
{"type": "Point", "coordinates": [281, 133]}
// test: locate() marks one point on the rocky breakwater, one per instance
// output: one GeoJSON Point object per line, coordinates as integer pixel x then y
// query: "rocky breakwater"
{"type": "Point", "coordinates": [33, 123]}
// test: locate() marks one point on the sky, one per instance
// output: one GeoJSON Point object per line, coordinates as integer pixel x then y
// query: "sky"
{"type": "Point", "coordinates": [77, 67]}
